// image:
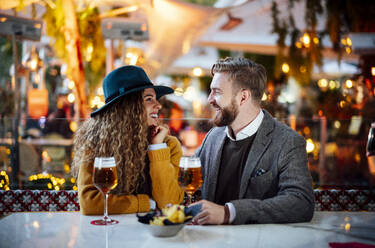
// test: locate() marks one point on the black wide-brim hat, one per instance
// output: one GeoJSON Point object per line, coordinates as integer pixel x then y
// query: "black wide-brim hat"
{"type": "Point", "coordinates": [125, 80]}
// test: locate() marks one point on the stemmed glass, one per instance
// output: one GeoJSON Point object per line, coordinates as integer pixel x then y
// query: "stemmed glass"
{"type": "Point", "coordinates": [370, 150]}
{"type": "Point", "coordinates": [105, 179]}
{"type": "Point", "coordinates": [190, 176]}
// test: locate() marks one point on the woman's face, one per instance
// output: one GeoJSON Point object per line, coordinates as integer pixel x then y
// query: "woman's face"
{"type": "Point", "coordinates": [152, 106]}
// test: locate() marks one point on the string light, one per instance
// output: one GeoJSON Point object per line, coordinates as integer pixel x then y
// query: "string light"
{"type": "Point", "coordinates": [332, 85]}
{"type": "Point", "coordinates": [285, 68]}
{"type": "Point", "coordinates": [298, 44]}
{"type": "Point", "coordinates": [71, 98]}
{"type": "Point", "coordinates": [97, 102]}
{"type": "Point", "coordinates": [309, 146]}
{"type": "Point", "coordinates": [306, 39]}
{"type": "Point", "coordinates": [264, 97]}
{"type": "Point", "coordinates": [100, 91]}
{"type": "Point", "coordinates": [73, 126]}
{"type": "Point", "coordinates": [197, 71]}
{"type": "Point", "coordinates": [179, 91]}
{"type": "Point", "coordinates": [89, 50]}
{"type": "Point", "coordinates": [132, 58]}
{"type": "Point", "coordinates": [306, 130]}
{"type": "Point", "coordinates": [316, 40]}
{"type": "Point", "coordinates": [4, 183]}
{"type": "Point", "coordinates": [347, 42]}
{"type": "Point", "coordinates": [349, 83]}
{"type": "Point", "coordinates": [71, 84]}
{"type": "Point", "coordinates": [337, 124]}
{"type": "Point", "coordinates": [55, 182]}
{"type": "Point", "coordinates": [323, 83]}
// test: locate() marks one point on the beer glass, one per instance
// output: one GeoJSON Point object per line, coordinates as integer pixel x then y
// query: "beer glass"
{"type": "Point", "coordinates": [105, 179]}
{"type": "Point", "coordinates": [370, 150]}
{"type": "Point", "coordinates": [190, 176]}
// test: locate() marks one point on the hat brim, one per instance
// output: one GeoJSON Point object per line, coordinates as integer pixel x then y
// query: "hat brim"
{"type": "Point", "coordinates": [159, 90]}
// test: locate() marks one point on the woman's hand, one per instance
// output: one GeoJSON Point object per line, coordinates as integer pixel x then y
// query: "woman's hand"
{"type": "Point", "coordinates": [159, 133]}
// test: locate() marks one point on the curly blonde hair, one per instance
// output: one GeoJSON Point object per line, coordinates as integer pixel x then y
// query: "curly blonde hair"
{"type": "Point", "coordinates": [121, 132]}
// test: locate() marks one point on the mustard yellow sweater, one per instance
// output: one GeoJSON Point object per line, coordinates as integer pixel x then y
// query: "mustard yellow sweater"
{"type": "Point", "coordinates": [165, 188]}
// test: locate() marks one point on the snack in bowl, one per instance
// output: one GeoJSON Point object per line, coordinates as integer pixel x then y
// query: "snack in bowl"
{"type": "Point", "coordinates": [170, 220]}
{"type": "Point", "coordinates": [171, 214]}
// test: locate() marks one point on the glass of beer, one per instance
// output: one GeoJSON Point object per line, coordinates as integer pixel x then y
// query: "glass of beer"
{"type": "Point", "coordinates": [370, 150]}
{"type": "Point", "coordinates": [190, 176]}
{"type": "Point", "coordinates": [105, 179]}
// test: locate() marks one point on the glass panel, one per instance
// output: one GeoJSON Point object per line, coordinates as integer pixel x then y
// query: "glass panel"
{"type": "Point", "coordinates": [336, 151]}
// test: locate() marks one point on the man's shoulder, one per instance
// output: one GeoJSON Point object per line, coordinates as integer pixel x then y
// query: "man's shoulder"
{"type": "Point", "coordinates": [213, 137]}
{"type": "Point", "coordinates": [216, 132]}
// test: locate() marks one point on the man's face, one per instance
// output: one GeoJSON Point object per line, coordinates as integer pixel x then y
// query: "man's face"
{"type": "Point", "coordinates": [222, 99]}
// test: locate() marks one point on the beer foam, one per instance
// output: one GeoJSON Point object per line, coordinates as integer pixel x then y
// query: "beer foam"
{"type": "Point", "coordinates": [105, 162]}
{"type": "Point", "coordinates": [191, 166]}
{"type": "Point", "coordinates": [190, 162]}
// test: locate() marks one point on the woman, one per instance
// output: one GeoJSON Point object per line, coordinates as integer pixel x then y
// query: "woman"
{"type": "Point", "coordinates": [126, 127]}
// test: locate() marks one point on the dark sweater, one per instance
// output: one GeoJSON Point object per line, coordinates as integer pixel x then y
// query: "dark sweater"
{"type": "Point", "coordinates": [233, 160]}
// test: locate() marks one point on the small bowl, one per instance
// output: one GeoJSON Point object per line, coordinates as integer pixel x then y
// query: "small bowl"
{"type": "Point", "coordinates": [169, 229]}
{"type": "Point", "coordinates": [164, 231]}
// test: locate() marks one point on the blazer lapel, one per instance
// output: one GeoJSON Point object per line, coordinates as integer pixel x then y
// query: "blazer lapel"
{"type": "Point", "coordinates": [214, 170]}
{"type": "Point", "coordinates": [261, 142]}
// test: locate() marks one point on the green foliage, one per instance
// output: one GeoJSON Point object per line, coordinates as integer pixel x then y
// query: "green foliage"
{"type": "Point", "coordinates": [55, 20]}
{"type": "Point", "coordinates": [224, 53]}
{"type": "Point", "coordinates": [201, 2]}
{"type": "Point", "coordinates": [6, 93]}
{"type": "Point", "coordinates": [7, 102]}
{"type": "Point", "coordinates": [268, 61]}
{"type": "Point", "coordinates": [300, 60]}
{"type": "Point", "coordinates": [92, 46]}
{"type": "Point", "coordinates": [342, 17]}
{"type": "Point", "coordinates": [91, 38]}
{"type": "Point", "coordinates": [6, 59]}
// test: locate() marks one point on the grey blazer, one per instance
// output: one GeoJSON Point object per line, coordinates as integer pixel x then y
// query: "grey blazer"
{"type": "Point", "coordinates": [276, 185]}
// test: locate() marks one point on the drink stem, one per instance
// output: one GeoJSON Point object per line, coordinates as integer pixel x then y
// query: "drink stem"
{"type": "Point", "coordinates": [106, 207]}
{"type": "Point", "coordinates": [189, 198]}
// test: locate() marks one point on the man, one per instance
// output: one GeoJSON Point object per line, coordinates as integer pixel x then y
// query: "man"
{"type": "Point", "coordinates": [254, 168]}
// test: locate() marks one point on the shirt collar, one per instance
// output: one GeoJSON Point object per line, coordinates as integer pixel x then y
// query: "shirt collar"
{"type": "Point", "coordinates": [249, 130]}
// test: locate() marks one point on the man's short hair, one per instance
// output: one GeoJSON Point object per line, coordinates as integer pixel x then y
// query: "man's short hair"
{"type": "Point", "coordinates": [245, 74]}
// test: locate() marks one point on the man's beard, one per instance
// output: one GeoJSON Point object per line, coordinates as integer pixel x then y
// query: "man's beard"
{"type": "Point", "coordinates": [226, 115]}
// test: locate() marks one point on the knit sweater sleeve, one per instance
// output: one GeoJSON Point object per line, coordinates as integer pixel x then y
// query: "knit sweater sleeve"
{"type": "Point", "coordinates": [91, 200]}
{"type": "Point", "coordinates": [165, 188]}
{"type": "Point", "coordinates": [164, 173]}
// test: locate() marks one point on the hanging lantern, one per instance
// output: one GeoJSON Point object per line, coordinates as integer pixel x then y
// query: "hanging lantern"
{"type": "Point", "coordinates": [37, 103]}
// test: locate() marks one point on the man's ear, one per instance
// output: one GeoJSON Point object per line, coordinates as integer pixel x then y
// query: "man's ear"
{"type": "Point", "coordinates": [245, 96]}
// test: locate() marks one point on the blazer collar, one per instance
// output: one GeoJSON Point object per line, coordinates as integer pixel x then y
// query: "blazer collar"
{"type": "Point", "coordinates": [214, 171]}
{"type": "Point", "coordinates": [260, 144]}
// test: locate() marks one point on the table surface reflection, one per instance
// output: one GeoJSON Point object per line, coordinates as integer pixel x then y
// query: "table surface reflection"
{"type": "Point", "coordinates": [71, 229]}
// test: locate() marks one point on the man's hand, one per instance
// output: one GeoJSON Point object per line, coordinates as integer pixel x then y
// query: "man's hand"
{"type": "Point", "coordinates": [159, 134]}
{"type": "Point", "coordinates": [210, 214]}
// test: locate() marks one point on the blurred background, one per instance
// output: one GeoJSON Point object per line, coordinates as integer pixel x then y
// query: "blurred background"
{"type": "Point", "coordinates": [319, 56]}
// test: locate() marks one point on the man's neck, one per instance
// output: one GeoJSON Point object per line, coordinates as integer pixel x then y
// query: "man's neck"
{"type": "Point", "coordinates": [242, 121]}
